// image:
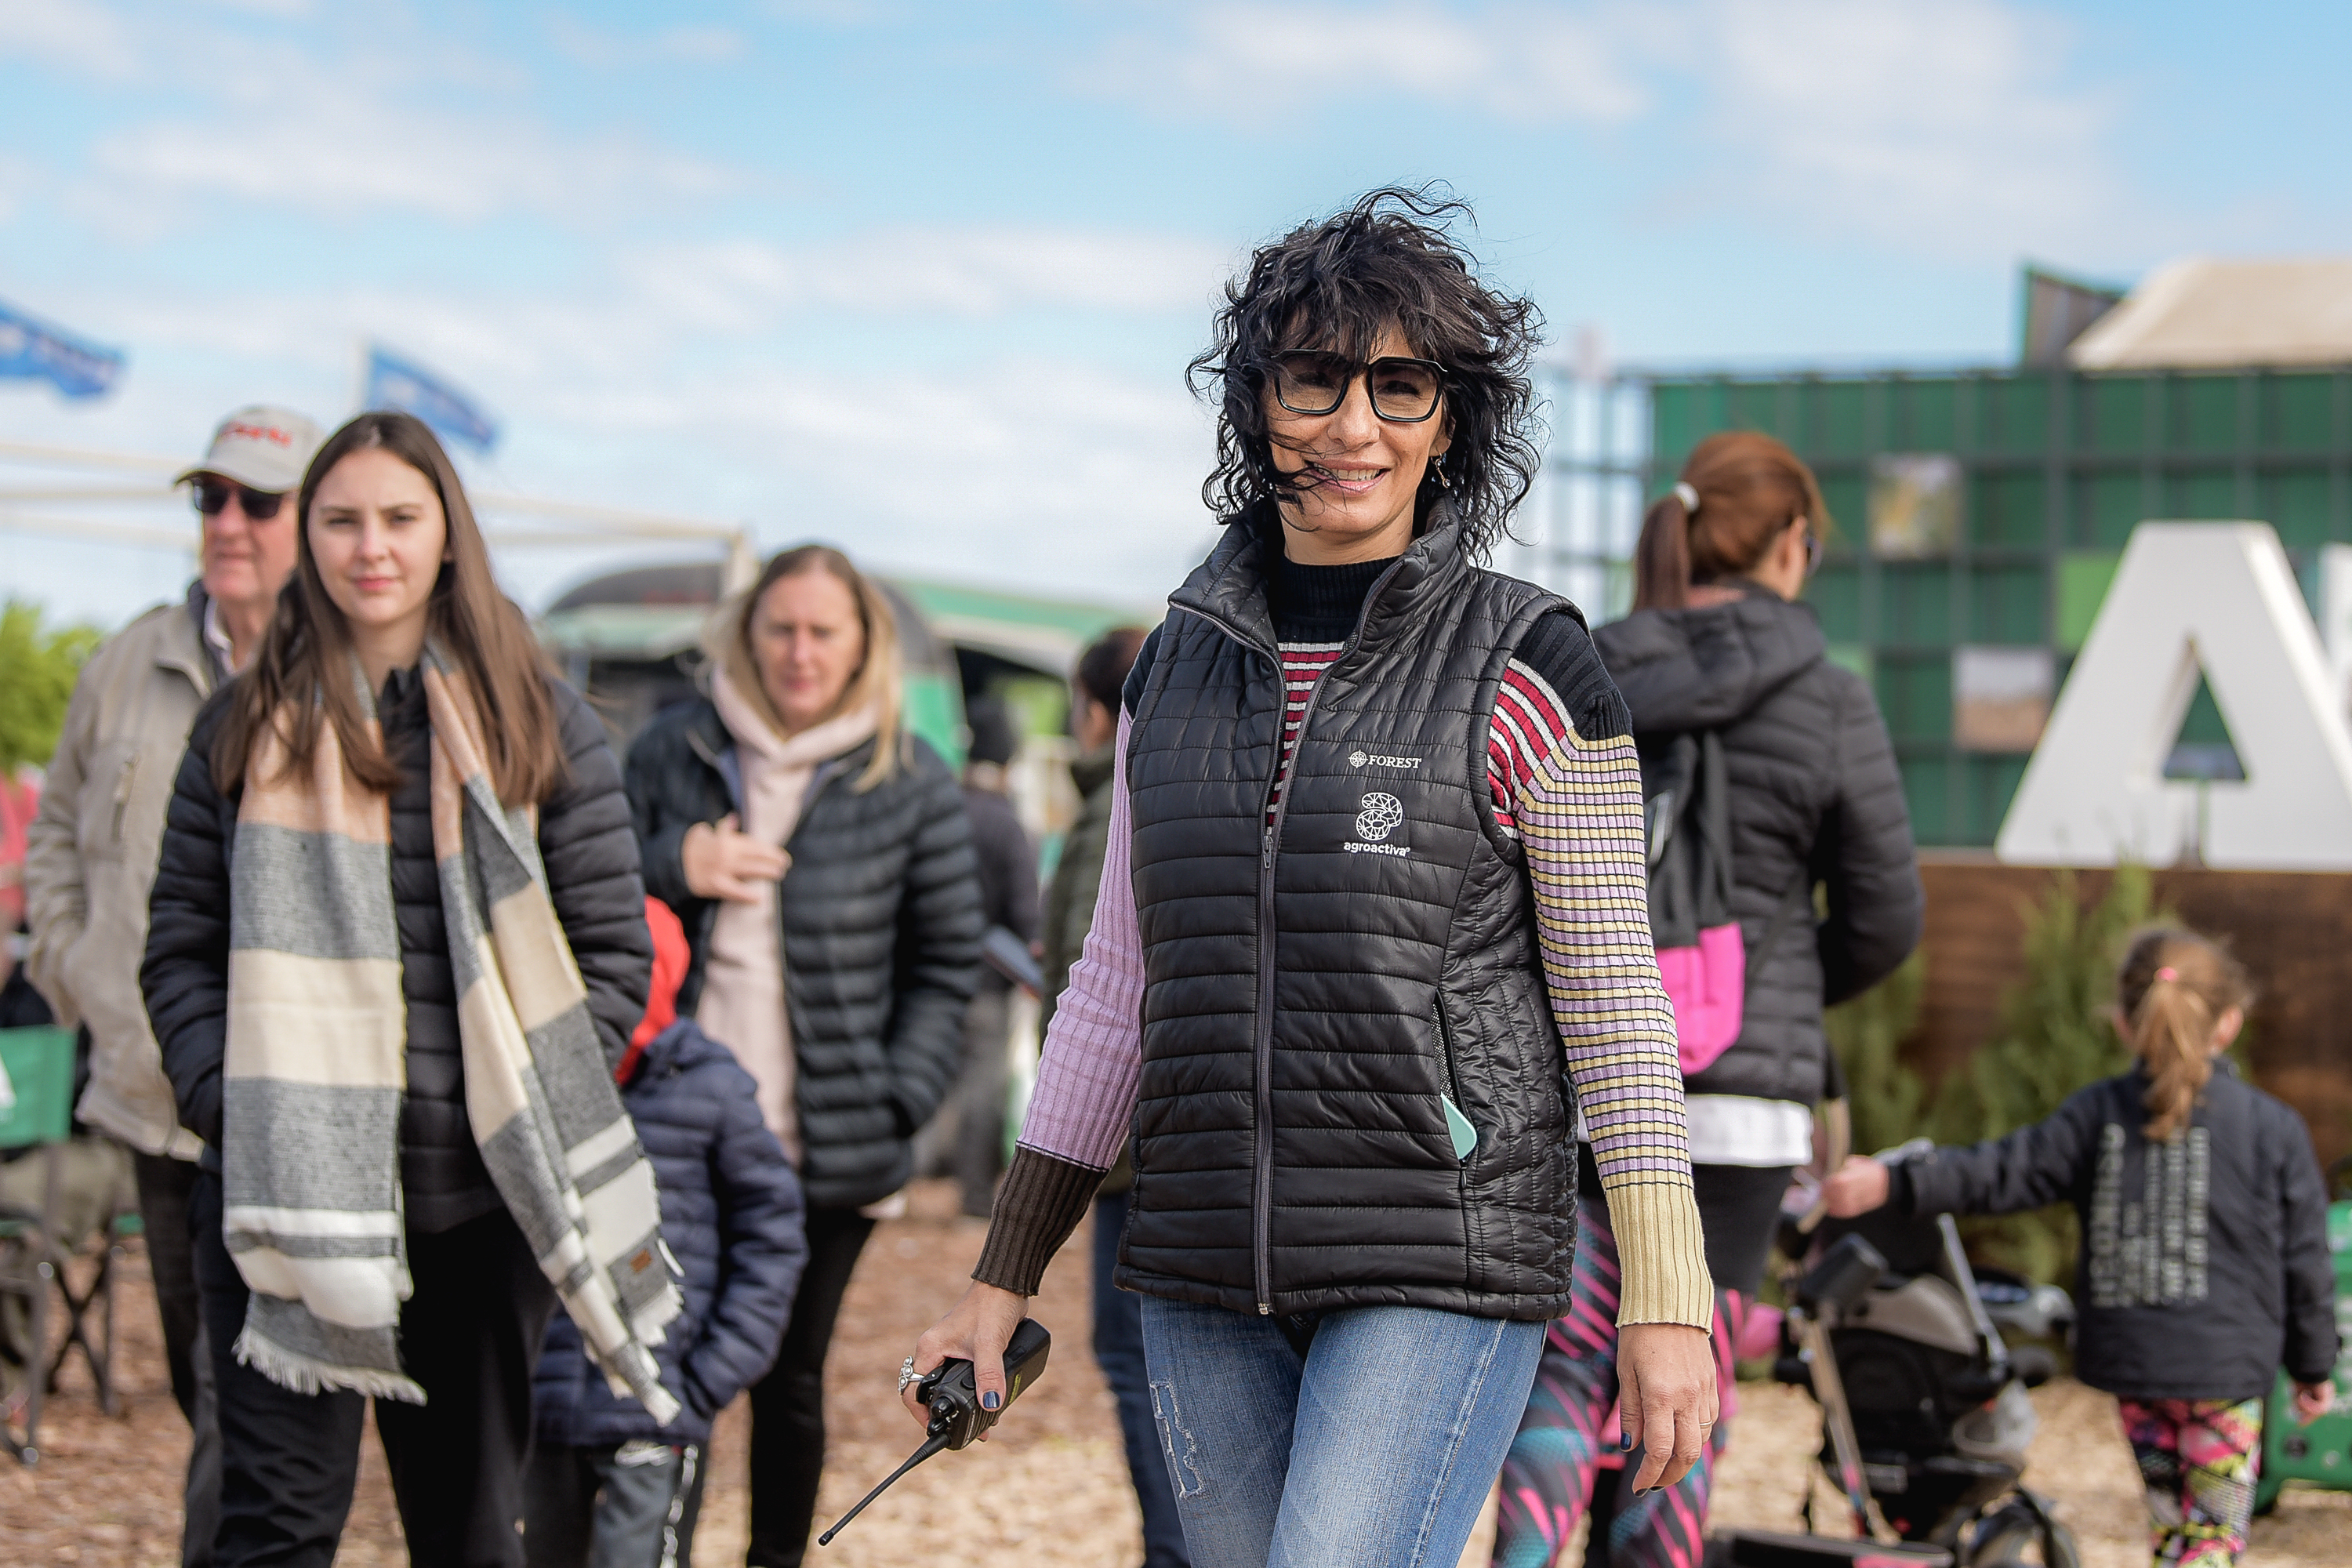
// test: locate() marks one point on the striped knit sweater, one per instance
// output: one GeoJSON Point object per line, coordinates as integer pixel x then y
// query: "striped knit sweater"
{"type": "Point", "coordinates": [1566, 781]}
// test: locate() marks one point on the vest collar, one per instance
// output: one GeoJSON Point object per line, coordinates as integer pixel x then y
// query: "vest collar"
{"type": "Point", "coordinates": [1230, 588]}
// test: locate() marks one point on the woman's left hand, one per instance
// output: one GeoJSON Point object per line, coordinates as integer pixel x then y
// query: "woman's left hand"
{"type": "Point", "coordinates": [1665, 1398]}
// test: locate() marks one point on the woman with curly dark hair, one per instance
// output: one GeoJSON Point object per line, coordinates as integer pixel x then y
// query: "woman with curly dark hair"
{"type": "Point", "coordinates": [1371, 935]}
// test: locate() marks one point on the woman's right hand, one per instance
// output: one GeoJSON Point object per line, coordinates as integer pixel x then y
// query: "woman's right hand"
{"type": "Point", "coordinates": [1859, 1186]}
{"type": "Point", "coordinates": [977, 1330]}
{"type": "Point", "coordinates": [722, 862]}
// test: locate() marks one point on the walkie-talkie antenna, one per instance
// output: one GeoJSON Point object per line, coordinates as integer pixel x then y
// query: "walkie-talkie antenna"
{"type": "Point", "coordinates": [930, 1446]}
{"type": "Point", "coordinates": [949, 1392]}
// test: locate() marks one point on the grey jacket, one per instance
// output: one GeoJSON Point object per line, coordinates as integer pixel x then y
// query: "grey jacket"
{"type": "Point", "coordinates": [1815, 797]}
{"type": "Point", "coordinates": [90, 860]}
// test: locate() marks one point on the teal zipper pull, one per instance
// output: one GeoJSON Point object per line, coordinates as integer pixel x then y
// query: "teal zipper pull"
{"type": "Point", "coordinates": [1465, 1137]}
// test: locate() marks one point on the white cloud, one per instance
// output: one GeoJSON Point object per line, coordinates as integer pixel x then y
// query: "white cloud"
{"type": "Point", "coordinates": [351, 148]}
{"type": "Point", "coordinates": [1273, 60]}
{"type": "Point", "coordinates": [1949, 127]}
{"type": "Point", "coordinates": [733, 284]}
{"type": "Point", "coordinates": [607, 49]}
{"type": "Point", "coordinates": [83, 38]}
{"type": "Point", "coordinates": [1954, 127]}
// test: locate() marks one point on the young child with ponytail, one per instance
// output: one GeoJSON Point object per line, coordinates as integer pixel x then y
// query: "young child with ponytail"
{"type": "Point", "coordinates": [2204, 1265]}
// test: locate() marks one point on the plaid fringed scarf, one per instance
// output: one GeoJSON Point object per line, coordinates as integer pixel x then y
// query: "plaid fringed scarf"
{"type": "Point", "coordinates": [315, 1071]}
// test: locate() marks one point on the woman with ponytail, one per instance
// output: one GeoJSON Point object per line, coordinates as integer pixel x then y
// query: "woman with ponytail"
{"type": "Point", "coordinates": [2204, 1266]}
{"type": "Point", "coordinates": [1720, 659]}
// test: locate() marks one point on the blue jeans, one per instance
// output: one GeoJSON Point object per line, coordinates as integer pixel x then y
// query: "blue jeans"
{"type": "Point", "coordinates": [1373, 1449]}
{"type": "Point", "coordinates": [1118, 1350]}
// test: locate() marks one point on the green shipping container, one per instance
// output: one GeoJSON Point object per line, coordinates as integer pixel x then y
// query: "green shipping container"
{"type": "Point", "coordinates": [2052, 469]}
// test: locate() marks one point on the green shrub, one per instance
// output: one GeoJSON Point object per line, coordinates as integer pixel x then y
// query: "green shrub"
{"type": "Point", "coordinates": [36, 679]}
{"type": "Point", "coordinates": [1884, 1095]}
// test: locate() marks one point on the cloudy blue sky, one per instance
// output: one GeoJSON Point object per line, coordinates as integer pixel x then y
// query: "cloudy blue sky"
{"type": "Point", "coordinates": [921, 279]}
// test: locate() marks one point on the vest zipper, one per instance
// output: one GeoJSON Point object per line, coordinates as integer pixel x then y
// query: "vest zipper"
{"type": "Point", "coordinates": [1262, 1108]}
{"type": "Point", "coordinates": [1445, 1047]}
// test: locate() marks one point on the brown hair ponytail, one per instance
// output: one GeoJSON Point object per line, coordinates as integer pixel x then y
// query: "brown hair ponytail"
{"type": "Point", "coordinates": [2172, 990]}
{"type": "Point", "coordinates": [1740, 490]}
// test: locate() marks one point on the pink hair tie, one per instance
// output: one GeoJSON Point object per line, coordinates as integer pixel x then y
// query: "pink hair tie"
{"type": "Point", "coordinates": [2167, 973]}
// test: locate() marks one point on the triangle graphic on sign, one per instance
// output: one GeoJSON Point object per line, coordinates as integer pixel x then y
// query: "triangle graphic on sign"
{"type": "Point", "coordinates": [2209, 605]}
{"type": "Point", "coordinates": [2204, 751]}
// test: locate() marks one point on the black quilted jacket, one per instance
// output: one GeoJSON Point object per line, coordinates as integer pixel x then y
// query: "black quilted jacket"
{"type": "Point", "coordinates": [881, 917]}
{"type": "Point", "coordinates": [592, 874]}
{"type": "Point", "coordinates": [1814, 786]}
{"type": "Point", "coordinates": [2204, 1263]}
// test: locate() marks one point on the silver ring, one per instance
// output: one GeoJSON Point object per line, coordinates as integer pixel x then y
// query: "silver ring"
{"type": "Point", "coordinates": [906, 1374]}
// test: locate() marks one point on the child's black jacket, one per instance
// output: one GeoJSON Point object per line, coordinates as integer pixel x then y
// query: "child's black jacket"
{"type": "Point", "coordinates": [2204, 1266]}
{"type": "Point", "coordinates": [731, 1213]}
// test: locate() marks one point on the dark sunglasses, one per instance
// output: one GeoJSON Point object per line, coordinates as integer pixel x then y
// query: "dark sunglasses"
{"type": "Point", "coordinates": [1403, 390]}
{"type": "Point", "coordinates": [211, 497]}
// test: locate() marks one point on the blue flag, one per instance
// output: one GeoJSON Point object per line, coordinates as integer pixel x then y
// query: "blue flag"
{"type": "Point", "coordinates": [34, 349]}
{"type": "Point", "coordinates": [397, 383]}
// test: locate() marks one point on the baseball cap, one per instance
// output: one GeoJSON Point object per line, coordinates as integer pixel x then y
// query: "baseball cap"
{"type": "Point", "coordinates": [265, 447]}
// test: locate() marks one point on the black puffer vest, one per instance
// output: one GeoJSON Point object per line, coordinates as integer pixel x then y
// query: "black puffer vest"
{"type": "Point", "coordinates": [1316, 990]}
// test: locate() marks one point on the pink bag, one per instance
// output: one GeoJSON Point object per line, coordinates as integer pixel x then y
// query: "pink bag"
{"type": "Point", "coordinates": [1708, 986]}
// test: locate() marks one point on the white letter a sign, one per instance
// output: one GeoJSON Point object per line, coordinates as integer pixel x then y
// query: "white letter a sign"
{"type": "Point", "coordinates": [2215, 595]}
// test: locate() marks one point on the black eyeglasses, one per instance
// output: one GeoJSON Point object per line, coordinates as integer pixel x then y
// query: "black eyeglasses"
{"type": "Point", "coordinates": [211, 497]}
{"type": "Point", "coordinates": [1403, 390]}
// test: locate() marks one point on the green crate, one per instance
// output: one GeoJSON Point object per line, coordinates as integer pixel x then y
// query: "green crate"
{"type": "Point", "coordinates": [1914, 694]}
{"type": "Point", "coordinates": [41, 1067]}
{"type": "Point", "coordinates": [2321, 1452]}
{"type": "Point", "coordinates": [2009, 510]}
{"type": "Point", "coordinates": [2203, 413]}
{"type": "Point", "coordinates": [2208, 493]}
{"type": "Point", "coordinates": [2112, 414]}
{"type": "Point", "coordinates": [1915, 605]}
{"type": "Point", "coordinates": [2017, 413]}
{"type": "Point", "coordinates": [1846, 496]}
{"type": "Point", "coordinates": [2298, 413]}
{"type": "Point", "coordinates": [2299, 503]}
{"type": "Point", "coordinates": [1929, 416]}
{"type": "Point", "coordinates": [1988, 785]}
{"type": "Point", "coordinates": [1836, 594]}
{"type": "Point", "coordinates": [1841, 418]}
{"type": "Point", "coordinates": [1927, 794]}
{"type": "Point", "coordinates": [2009, 603]}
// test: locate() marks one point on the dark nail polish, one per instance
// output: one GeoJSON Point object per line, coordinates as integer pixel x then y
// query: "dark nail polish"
{"type": "Point", "coordinates": [991, 1400]}
{"type": "Point", "coordinates": [1625, 1444]}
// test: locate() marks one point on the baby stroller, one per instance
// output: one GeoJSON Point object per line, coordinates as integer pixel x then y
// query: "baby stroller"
{"type": "Point", "coordinates": [1923, 1408]}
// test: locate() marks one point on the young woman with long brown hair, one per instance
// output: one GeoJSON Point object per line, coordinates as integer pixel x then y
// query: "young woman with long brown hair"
{"type": "Point", "coordinates": [397, 939]}
{"type": "Point", "coordinates": [2204, 1262]}
{"type": "Point", "coordinates": [818, 854]}
{"type": "Point", "coordinates": [1721, 649]}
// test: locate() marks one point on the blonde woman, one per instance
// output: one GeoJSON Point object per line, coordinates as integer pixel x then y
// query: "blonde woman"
{"type": "Point", "coordinates": [818, 856]}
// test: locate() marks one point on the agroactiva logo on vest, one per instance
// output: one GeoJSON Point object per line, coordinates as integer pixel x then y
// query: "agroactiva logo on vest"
{"type": "Point", "coordinates": [1378, 815]}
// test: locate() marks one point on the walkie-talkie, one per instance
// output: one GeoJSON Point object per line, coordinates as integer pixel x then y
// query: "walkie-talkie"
{"type": "Point", "coordinates": [957, 1419]}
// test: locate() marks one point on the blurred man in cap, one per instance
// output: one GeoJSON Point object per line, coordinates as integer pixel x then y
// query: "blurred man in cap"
{"type": "Point", "coordinates": [92, 849]}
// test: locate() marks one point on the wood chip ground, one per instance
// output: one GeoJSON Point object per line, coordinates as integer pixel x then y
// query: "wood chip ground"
{"type": "Point", "coordinates": [1049, 1491]}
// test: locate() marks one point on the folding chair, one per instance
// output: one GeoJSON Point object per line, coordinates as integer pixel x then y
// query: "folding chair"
{"type": "Point", "coordinates": [36, 1113]}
